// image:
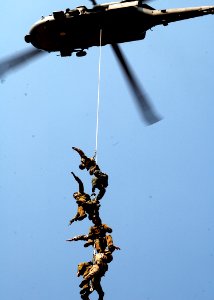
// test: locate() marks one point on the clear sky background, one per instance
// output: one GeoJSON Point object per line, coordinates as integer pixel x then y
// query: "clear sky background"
{"type": "Point", "coordinates": [160, 199]}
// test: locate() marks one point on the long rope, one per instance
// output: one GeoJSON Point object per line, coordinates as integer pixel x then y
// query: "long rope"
{"type": "Point", "coordinates": [98, 97]}
{"type": "Point", "coordinates": [97, 125]}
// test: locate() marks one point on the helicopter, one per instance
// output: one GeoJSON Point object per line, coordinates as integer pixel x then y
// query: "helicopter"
{"type": "Point", "coordinates": [76, 30]}
{"type": "Point", "coordinates": [79, 29]}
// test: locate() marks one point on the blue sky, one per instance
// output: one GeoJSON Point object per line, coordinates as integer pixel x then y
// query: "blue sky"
{"type": "Point", "coordinates": [160, 196]}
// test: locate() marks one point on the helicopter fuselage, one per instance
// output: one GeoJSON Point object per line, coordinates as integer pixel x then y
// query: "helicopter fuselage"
{"type": "Point", "coordinates": [80, 28]}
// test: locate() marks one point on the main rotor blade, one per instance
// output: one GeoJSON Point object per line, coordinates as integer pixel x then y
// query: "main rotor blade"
{"type": "Point", "coordinates": [142, 100]}
{"type": "Point", "coordinates": [18, 60]}
{"type": "Point", "coordinates": [94, 2]}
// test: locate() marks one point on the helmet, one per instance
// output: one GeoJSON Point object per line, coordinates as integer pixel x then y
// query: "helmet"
{"type": "Point", "coordinates": [82, 167]}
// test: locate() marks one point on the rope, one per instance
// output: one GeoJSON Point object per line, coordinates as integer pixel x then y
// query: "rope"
{"type": "Point", "coordinates": [97, 124]}
{"type": "Point", "coordinates": [98, 98]}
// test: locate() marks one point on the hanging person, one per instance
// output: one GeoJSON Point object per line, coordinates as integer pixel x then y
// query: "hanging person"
{"type": "Point", "coordinates": [88, 163]}
{"type": "Point", "coordinates": [88, 286]}
{"type": "Point", "coordinates": [85, 204]}
{"type": "Point", "coordinates": [95, 273]}
{"type": "Point", "coordinates": [97, 237]}
{"type": "Point", "coordinates": [83, 270]}
{"type": "Point", "coordinates": [100, 182]}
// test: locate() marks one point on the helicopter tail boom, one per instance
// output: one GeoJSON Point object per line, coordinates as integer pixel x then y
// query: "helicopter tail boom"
{"type": "Point", "coordinates": [165, 16]}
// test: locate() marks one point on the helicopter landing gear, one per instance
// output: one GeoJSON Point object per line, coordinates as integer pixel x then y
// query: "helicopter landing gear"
{"type": "Point", "coordinates": [81, 53]}
{"type": "Point", "coordinates": [65, 53]}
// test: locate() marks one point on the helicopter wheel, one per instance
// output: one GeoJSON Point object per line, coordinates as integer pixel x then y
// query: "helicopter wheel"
{"type": "Point", "coordinates": [81, 53]}
{"type": "Point", "coordinates": [65, 53]}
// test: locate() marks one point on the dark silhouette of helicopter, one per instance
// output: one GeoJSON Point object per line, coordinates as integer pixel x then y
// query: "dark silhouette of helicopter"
{"type": "Point", "coordinates": [76, 30]}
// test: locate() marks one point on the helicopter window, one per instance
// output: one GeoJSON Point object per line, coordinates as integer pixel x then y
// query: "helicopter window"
{"type": "Point", "coordinates": [81, 9]}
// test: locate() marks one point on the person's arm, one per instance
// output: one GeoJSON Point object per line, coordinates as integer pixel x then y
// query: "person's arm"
{"type": "Point", "coordinates": [79, 151]}
{"type": "Point", "coordinates": [107, 229]}
{"type": "Point", "coordinates": [82, 237]}
{"type": "Point", "coordinates": [81, 186]}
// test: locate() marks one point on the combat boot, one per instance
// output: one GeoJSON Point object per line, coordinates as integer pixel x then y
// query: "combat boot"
{"type": "Point", "coordinates": [71, 221]}
{"type": "Point", "coordinates": [85, 297]}
{"type": "Point", "coordinates": [84, 282]}
{"type": "Point", "coordinates": [85, 289]}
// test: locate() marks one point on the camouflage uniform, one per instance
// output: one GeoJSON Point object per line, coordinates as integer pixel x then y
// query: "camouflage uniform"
{"type": "Point", "coordinates": [100, 244]}
{"type": "Point", "coordinates": [92, 208]}
{"type": "Point", "coordinates": [83, 270]}
{"type": "Point", "coordinates": [97, 236]}
{"type": "Point", "coordinates": [87, 163]}
{"type": "Point", "coordinates": [92, 272]}
{"type": "Point", "coordinates": [100, 182]}
{"type": "Point", "coordinates": [97, 271]}
{"type": "Point", "coordinates": [81, 198]}
{"type": "Point", "coordinates": [88, 287]}
{"type": "Point", "coordinates": [86, 205]}
{"type": "Point", "coordinates": [99, 267]}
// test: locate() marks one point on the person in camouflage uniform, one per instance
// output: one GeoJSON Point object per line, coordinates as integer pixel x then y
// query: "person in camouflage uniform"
{"type": "Point", "coordinates": [86, 205]}
{"type": "Point", "coordinates": [88, 286]}
{"type": "Point", "coordinates": [92, 208]}
{"type": "Point", "coordinates": [97, 271]}
{"type": "Point", "coordinates": [81, 197]}
{"type": "Point", "coordinates": [100, 182]}
{"type": "Point", "coordinates": [97, 237]}
{"type": "Point", "coordinates": [83, 270]}
{"type": "Point", "coordinates": [88, 163]}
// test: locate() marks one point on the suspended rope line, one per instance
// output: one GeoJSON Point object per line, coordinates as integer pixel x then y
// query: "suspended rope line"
{"type": "Point", "coordinates": [97, 123]}
{"type": "Point", "coordinates": [98, 97]}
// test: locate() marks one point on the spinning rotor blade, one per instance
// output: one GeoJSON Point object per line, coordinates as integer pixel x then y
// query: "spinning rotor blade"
{"type": "Point", "coordinates": [18, 60]}
{"type": "Point", "coordinates": [142, 100]}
